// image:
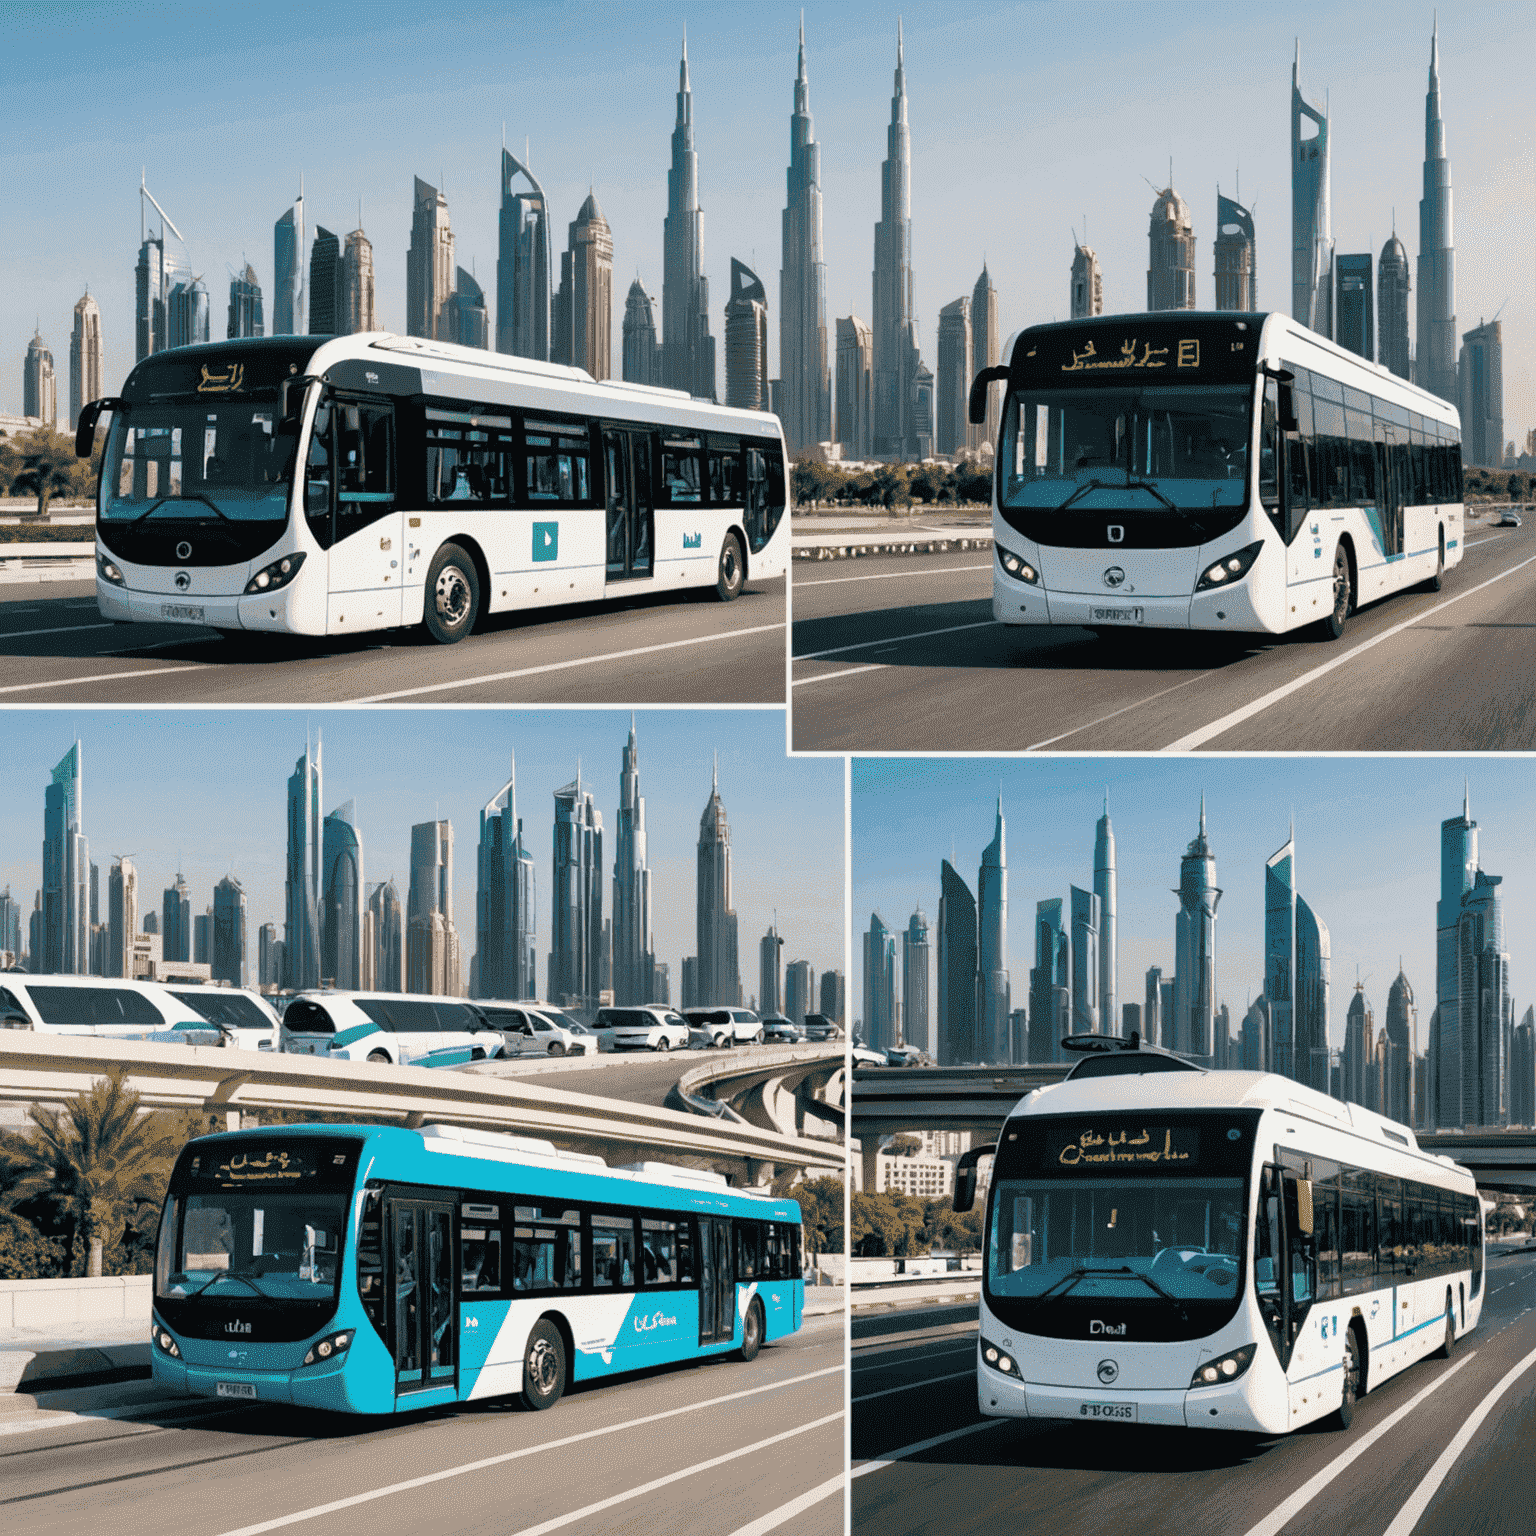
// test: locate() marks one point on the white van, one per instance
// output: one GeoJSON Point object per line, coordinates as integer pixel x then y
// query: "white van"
{"type": "Point", "coordinates": [409, 1030]}
{"type": "Point", "coordinates": [249, 1021]}
{"type": "Point", "coordinates": [108, 1006]}
{"type": "Point", "coordinates": [530, 1030]}
{"type": "Point", "coordinates": [724, 1026]}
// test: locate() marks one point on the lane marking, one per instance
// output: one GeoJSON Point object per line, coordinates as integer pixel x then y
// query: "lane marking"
{"type": "Point", "coordinates": [1274, 1522]}
{"type": "Point", "coordinates": [924, 634]}
{"type": "Point", "coordinates": [826, 677]}
{"type": "Point", "coordinates": [531, 1450]}
{"type": "Point", "coordinates": [833, 581]}
{"type": "Point", "coordinates": [908, 1386]}
{"type": "Point", "coordinates": [560, 666]}
{"type": "Point", "coordinates": [1198, 738]}
{"type": "Point", "coordinates": [776, 1517]}
{"type": "Point", "coordinates": [58, 629]}
{"type": "Point", "coordinates": [1408, 1515]}
{"type": "Point", "coordinates": [99, 677]}
{"type": "Point", "coordinates": [1172, 688]}
{"type": "Point", "coordinates": [892, 1457]}
{"type": "Point", "coordinates": [64, 1418]}
{"type": "Point", "coordinates": [885, 1365]}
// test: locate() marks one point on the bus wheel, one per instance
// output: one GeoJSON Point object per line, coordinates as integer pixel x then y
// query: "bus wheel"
{"type": "Point", "coordinates": [1333, 625]}
{"type": "Point", "coordinates": [1437, 581]}
{"type": "Point", "coordinates": [453, 595]}
{"type": "Point", "coordinates": [543, 1366]}
{"type": "Point", "coordinates": [378, 1056]}
{"type": "Point", "coordinates": [1448, 1344]}
{"type": "Point", "coordinates": [1351, 1379]}
{"type": "Point", "coordinates": [751, 1331]}
{"type": "Point", "coordinates": [733, 569]}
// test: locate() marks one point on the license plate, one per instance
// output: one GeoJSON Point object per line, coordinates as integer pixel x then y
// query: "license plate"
{"type": "Point", "coordinates": [1117, 615]}
{"type": "Point", "coordinates": [186, 612]}
{"type": "Point", "coordinates": [236, 1389]}
{"type": "Point", "coordinates": [1124, 1413]}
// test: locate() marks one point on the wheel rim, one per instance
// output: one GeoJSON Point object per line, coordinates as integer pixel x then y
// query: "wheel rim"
{"type": "Point", "coordinates": [1340, 587]}
{"type": "Point", "coordinates": [754, 1327]}
{"type": "Point", "coordinates": [1351, 1374]}
{"type": "Point", "coordinates": [730, 568]}
{"type": "Point", "coordinates": [452, 596]}
{"type": "Point", "coordinates": [543, 1367]}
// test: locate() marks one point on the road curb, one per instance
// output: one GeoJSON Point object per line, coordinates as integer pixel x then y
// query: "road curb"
{"type": "Point", "coordinates": [24, 1372]}
{"type": "Point", "coordinates": [858, 547]}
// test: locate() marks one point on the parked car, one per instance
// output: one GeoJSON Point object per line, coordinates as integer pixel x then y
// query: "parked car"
{"type": "Point", "coordinates": [1509, 518]}
{"type": "Point", "coordinates": [532, 1031]}
{"type": "Point", "coordinates": [863, 1056]}
{"type": "Point", "coordinates": [249, 1021]}
{"type": "Point", "coordinates": [819, 1027]}
{"type": "Point", "coordinates": [723, 1026]}
{"type": "Point", "coordinates": [100, 1006]}
{"type": "Point", "coordinates": [412, 1031]}
{"type": "Point", "coordinates": [653, 1027]}
{"type": "Point", "coordinates": [785, 1031]}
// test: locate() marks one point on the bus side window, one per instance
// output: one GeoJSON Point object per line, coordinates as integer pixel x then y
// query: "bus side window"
{"type": "Point", "coordinates": [613, 1252]}
{"type": "Point", "coordinates": [480, 1259]}
{"type": "Point", "coordinates": [687, 1274]}
{"type": "Point", "coordinates": [317, 478]}
{"type": "Point", "coordinates": [1269, 451]}
{"type": "Point", "coordinates": [749, 1250]}
{"type": "Point", "coordinates": [364, 467]}
{"type": "Point", "coordinates": [658, 1251]}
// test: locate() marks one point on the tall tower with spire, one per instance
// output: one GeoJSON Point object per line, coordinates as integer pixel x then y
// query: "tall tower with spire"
{"type": "Point", "coordinates": [1436, 361]}
{"type": "Point", "coordinates": [1194, 965]}
{"type": "Point", "coordinates": [984, 345]}
{"type": "Point", "coordinates": [576, 903]}
{"type": "Point", "coordinates": [288, 265]}
{"type": "Point", "coordinates": [85, 371]}
{"type": "Point", "coordinates": [522, 263]}
{"type": "Point", "coordinates": [807, 385]}
{"type": "Point", "coordinates": [992, 985]}
{"type": "Point", "coordinates": [634, 958]}
{"type": "Point", "coordinates": [301, 929]}
{"type": "Point", "coordinates": [1311, 235]}
{"type": "Point", "coordinates": [719, 974]}
{"type": "Point", "coordinates": [688, 350]}
{"type": "Point", "coordinates": [1104, 887]}
{"type": "Point", "coordinates": [895, 327]}
{"type": "Point", "coordinates": [506, 930]}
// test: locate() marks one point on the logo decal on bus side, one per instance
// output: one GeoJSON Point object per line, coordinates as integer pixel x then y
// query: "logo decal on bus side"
{"type": "Point", "coordinates": [546, 541]}
{"type": "Point", "coordinates": [693, 541]}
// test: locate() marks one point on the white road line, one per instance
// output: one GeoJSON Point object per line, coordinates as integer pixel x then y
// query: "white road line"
{"type": "Point", "coordinates": [835, 581]}
{"type": "Point", "coordinates": [531, 1450]}
{"type": "Point", "coordinates": [885, 1365]}
{"type": "Point", "coordinates": [927, 1381]}
{"type": "Point", "coordinates": [826, 677]}
{"type": "Point", "coordinates": [864, 645]}
{"type": "Point", "coordinates": [1196, 739]}
{"type": "Point", "coordinates": [63, 1418]}
{"type": "Point", "coordinates": [1408, 1515]}
{"type": "Point", "coordinates": [99, 677]}
{"type": "Point", "coordinates": [560, 666]}
{"type": "Point", "coordinates": [1279, 1517]}
{"type": "Point", "coordinates": [58, 629]}
{"type": "Point", "coordinates": [892, 1457]}
{"type": "Point", "coordinates": [776, 1517]}
{"type": "Point", "coordinates": [1050, 741]}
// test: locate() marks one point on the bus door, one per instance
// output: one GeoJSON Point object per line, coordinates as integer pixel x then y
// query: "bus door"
{"type": "Point", "coordinates": [1389, 504]}
{"type": "Point", "coordinates": [717, 1282]}
{"type": "Point", "coordinates": [350, 503]}
{"type": "Point", "coordinates": [631, 513]}
{"type": "Point", "coordinates": [423, 1317]}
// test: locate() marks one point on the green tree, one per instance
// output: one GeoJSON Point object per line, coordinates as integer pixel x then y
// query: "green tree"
{"type": "Point", "coordinates": [47, 468]}
{"type": "Point", "coordinates": [886, 1225]}
{"type": "Point", "coordinates": [821, 1213]}
{"type": "Point", "coordinates": [903, 1146]}
{"type": "Point", "coordinates": [25, 1254]}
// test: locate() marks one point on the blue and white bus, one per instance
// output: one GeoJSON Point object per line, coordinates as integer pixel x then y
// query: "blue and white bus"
{"type": "Point", "coordinates": [1218, 1250]}
{"type": "Point", "coordinates": [1212, 472]}
{"type": "Point", "coordinates": [373, 1270]}
{"type": "Point", "coordinates": [335, 485]}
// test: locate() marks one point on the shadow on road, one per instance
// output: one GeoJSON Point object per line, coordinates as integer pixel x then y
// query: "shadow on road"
{"type": "Point", "coordinates": [1149, 1450]}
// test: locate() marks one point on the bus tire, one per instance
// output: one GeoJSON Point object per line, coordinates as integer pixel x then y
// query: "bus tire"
{"type": "Point", "coordinates": [732, 571]}
{"type": "Point", "coordinates": [751, 1331]}
{"type": "Point", "coordinates": [1437, 581]}
{"type": "Point", "coordinates": [1448, 1343]}
{"type": "Point", "coordinates": [1351, 1388]}
{"type": "Point", "coordinates": [452, 597]}
{"type": "Point", "coordinates": [543, 1366]}
{"type": "Point", "coordinates": [1343, 595]}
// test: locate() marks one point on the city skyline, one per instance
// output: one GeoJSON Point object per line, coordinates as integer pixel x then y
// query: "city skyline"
{"type": "Point", "coordinates": [1090, 162]}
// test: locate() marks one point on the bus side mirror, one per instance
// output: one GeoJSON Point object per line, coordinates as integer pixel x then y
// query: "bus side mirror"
{"type": "Point", "coordinates": [978, 411]}
{"type": "Point", "coordinates": [1303, 1206]}
{"type": "Point", "coordinates": [85, 430]}
{"type": "Point", "coordinates": [290, 397]}
{"type": "Point", "coordinates": [965, 1176]}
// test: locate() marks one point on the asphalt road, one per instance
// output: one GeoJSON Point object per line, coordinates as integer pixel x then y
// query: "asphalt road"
{"type": "Point", "coordinates": [55, 648]}
{"type": "Point", "coordinates": [900, 653]}
{"type": "Point", "coordinates": [914, 1383]}
{"type": "Point", "coordinates": [699, 1450]}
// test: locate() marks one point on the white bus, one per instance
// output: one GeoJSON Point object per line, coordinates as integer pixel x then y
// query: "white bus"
{"type": "Point", "coordinates": [439, 484]}
{"type": "Point", "coordinates": [1220, 1250]}
{"type": "Point", "coordinates": [1212, 472]}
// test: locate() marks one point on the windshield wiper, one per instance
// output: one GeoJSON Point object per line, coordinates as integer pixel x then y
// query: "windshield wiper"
{"type": "Point", "coordinates": [229, 1274]}
{"type": "Point", "coordinates": [1070, 1279]}
{"type": "Point", "coordinates": [192, 496]}
{"type": "Point", "coordinates": [1082, 490]}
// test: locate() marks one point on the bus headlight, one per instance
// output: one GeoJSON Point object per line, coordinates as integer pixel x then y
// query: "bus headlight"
{"type": "Point", "coordinates": [1225, 1368]}
{"type": "Point", "coordinates": [999, 1360]}
{"type": "Point", "coordinates": [331, 1344]}
{"type": "Point", "coordinates": [1229, 568]}
{"type": "Point", "coordinates": [163, 1341]}
{"type": "Point", "coordinates": [109, 572]}
{"type": "Point", "coordinates": [1017, 567]}
{"type": "Point", "coordinates": [276, 575]}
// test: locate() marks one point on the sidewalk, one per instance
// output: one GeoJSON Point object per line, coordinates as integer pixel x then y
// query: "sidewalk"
{"type": "Point", "coordinates": [74, 1354]}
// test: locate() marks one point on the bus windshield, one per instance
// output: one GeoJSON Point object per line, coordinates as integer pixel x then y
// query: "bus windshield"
{"type": "Point", "coordinates": [1154, 448]}
{"type": "Point", "coordinates": [198, 460]}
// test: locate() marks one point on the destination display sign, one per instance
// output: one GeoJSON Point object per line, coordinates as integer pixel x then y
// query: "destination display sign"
{"type": "Point", "coordinates": [1137, 349]}
{"type": "Point", "coordinates": [1144, 1146]}
{"type": "Point", "coordinates": [1158, 1142]}
{"type": "Point", "coordinates": [271, 1164]}
{"type": "Point", "coordinates": [235, 371]}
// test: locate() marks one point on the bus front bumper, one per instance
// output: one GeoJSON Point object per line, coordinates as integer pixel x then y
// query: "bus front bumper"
{"type": "Point", "coordinates": [1222, 1407]}
{"type": "Point", "coordinates": [310, 1387]}
{"type": "Point", "coordinates": [1015, 602]}
{"type": "Point", "coordinates": [263, 611]}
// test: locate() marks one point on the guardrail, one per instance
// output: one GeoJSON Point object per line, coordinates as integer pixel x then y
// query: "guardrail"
{"type": "Point", "coordinates": [791, 1065]}
{"type": "Point", "coordinates": [55, 1069]}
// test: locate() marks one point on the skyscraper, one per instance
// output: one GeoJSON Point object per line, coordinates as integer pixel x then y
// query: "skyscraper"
{"type": "Point", "coordinates": [341, 882]}
{"type": "Point", "coordinates": [1105, 887]}
{"type": "Point", "coordinates": [1522, 1071]}
{"type": "Point", "coordinates": [1194, 967]}
{"type": "Point", "coordinates": [428, 263]}
{"type": "Point", "coordinates": [227, 961]}
{"type": "Point", "coordinates": [895, 325]}
{"type": "Point", "coordinates": [176, 921]}
{"type": "Point", "coordinates": [1354, 310]}
{"type": "Point", "coordinates": [833, 1002]}
{"type": "Point", "coordinates": [522, 264]}
{"type": "Point", "coordinates": [432, 959]}
{"type": "Point", "coordinates": [188, 318]}
{"type": "Point", "coordinates": [39, 388]}
{"type": "Point", "coordinates": [1397, 1038]}
{"type": "Point", "coordinates": [855, 367]}
{"type": "Point", "coordinates": [388, 938]}
{"type": "Point", "coordinates": [356, 312]}
{"type": "Point", "coordinates": [1458, 871]}
{"type": "Point", "coordinates": [288, 267]}
{"type": "Point", "coordinates": [1297, 960]}
{"type": "Point", "coordinates": [992, 988]}
{"type": "Point", "coordinates": [301, 925]}
{"type": "Point", "coordinates": [584, 304]}
{"type": "Point", "coordinates": [1481, 377]}
{"type": "Point", "coordinates": [1392, 308]}
{"type": "Point", "coordinates": [325, 284]}
{"type": "Point", "coordinates": [879, 985]}
{"type": "Point", "coordinates": [149, 296]}
{"type": "Point", "coordinates": [506, 923]}
{"type": "Point", "coordinates": [642, 354]}
{"type": "Point", "coordinates": [770, 950]}
{"type": "Point", "coordinates": [1171, 262]}
{"type": "Point", "coordinates": [799, 990]}
{"type": "Point", "coordinates": [1087, 283]}
{"type": "Point", "coordinates": [914, 981]}
{"type": "Point", "coordinates": [202, 938]}
{"type": "Point", "coordinates": [245, 313]}
{"type": "Point", "coordinates": [1087, 1010]}
{"type": "Point", "coordinates": [65, 910]}
{"type": "Point", "coordinates": [122, 916]}
{"type": "Point", "coordinates": [464, 319]}
{"type": "Point", "coordinates": [1050, 983]}
{"type": "Point", "coordinates": [1311, 235]}
{"type": "Point", "coordinates": [984, 352]}
{"type": "Point", "coordinates": [1151, 1012]}
{"type": "Point", "coordinates": [957, 1040]}
{"type": "Point", "coordinates": [688, 350]}
{"type": "Point", "coordinates": [10, 926]}
{"type": "Point", "coordinates": [84, 357]}
{"type": "Point", "coordinates": [1359, 1053]}
{"type": "Point", "coordinates": [807, 405]}
{"type": "Point", "coordinates": [576, 899]}
{"type": "Point", "coordinates": [952, 428]}
{"type": "Point", "coordinates": [1435, 368]}
{"type": "Point", "coordinates": [1485, 1004]}
{"type": "Point", "coordinates": [269, 957]}
{"type": "Point", "coordinates": [746, 340]}
{"type": "Point", "coordinates": [719, 975]}
{"type": "Point", "coordinates": [634, 950]}
{"type": "Point", "coordinates": [1236, 256]}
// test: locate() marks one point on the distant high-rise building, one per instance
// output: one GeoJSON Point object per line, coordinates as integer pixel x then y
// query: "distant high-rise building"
{"type": "Point", "coordinates": [1194, 967]}
{"type": "Point", "coordinates": [269, 958]}
{"type": "Point", "coordinates": [228, 956]}
{"type": "Point", "coordinates": [1486, 1008]}
{"type": "Point", "coordinates": [1481, 374]}
{"type": "Point", "coordinates": [952, 428]}
{"type": "Point", "coordinates": [746, 340]}
{"type": "Point", "coordinates": [522, 264]}
{"type": "Point", "coordinates": [149, 298]}
{"type": "Point", "coordinates": [288, 267]}
{"type": "Point", "coordinates": [799, 991]}
{"type": "Point", "coordinates": [506, 922]}
{"type": "Point", "coordinates": [576, 899]}
{"type": "Point", "coordinates": [1359, 1052]}
{"type": "Point", "coordinates": [188, 318]}
{"type": "Point", "coordinates": [1105, 887]}
{"type": "Point", "coordinates": [202, 938]}
{"type": "Point", "coordinates": [1311, 233]}
{"type": "Point", "coordinates": [432, 959]}
{"type": "Point", "coordinates": [1397, 1040]}
{"type": "Point", "coordinates": [688, 350]}
{"type": "Point", "coordinates": [1458, 871]}
{"type": "Point", "coordinates": [807, 412]}
{"type": "Point", "coordinates": [1087, 1012]}
{"type": "Point", "coordinates": [325, 284]}
{"type": "Point", "coordinates": [855, 366]}
{"type": "Point", "coordinates": [341, 912]}
{"type": "Point", "coordinates": [879, 986]}
{"type": "Point", "coordinates": [301, 924]}
{"type": "Point", "coordinates": [584, 304]}
{"type": "Point", "coordinates": [984, 352]}
{"type": "Point", "coordinates": [642, 354]}
{"type": "Point", "coordinates": [1522, 1071]}
{"type": "Point", "coordinates": [1087, 283]}
{"type": "Point", "coordinates": [429, 263]}
{"type": "Point", "coordinates": [770, 950]}
{"type": "Point", "coordinates": [1354, 310]}
{"type": "Point", "coordinates": [1435, 365]}
{"type": "Point", "coordinates": [10, 927]}
{"type": "Point", "coordinates": [464, 319]}
{"type": "Point", "coordinates": [957, 1038]}
{"type": "Point", "coordinates": [895, 360]}
{"type": "Point", "coordinates": [1171, 263]}
{"type": "Point", "coordinates": [388, 937]}
{"type": "Point", "coordinates": [245, 312]}
{"type": "Point", "coordinates": [1151, 1012]}
{"type": "Point", "coordinates": [1392, 309]}
{"type": "Point", "coordinates": [64, 924]}
{"type": "Point", "coordinates": [1297, 964]}
{"type": "Point", "coordinates": [85, 375]}
{"type": "Point", "coordinates": [1236, 256]}
{"type": "Point", "coordinates": [914, 982]}
{"type": "Point", "coordinates": [176, 921]}
{"type": "Point", "coordinates": [719, 974]}
{"type": "Point", "coordinates": [993, 1004]}
{"type": "Point", "coordinates": [122, 916]}
{"type": "Point", "coordinates": [39, 387]}
{"type": "Point", "coordinates": [1050, 983]}
{"type": "Point", "coordinates": [832, 996]}
{"type": "Point", "coordinates": [357, 308]}
{"type": "Point", "coordinates": [922, 416]}
{"type": "Point", "coordinates": [634, 947]}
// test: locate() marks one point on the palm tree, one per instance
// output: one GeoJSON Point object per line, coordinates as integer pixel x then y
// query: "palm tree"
{"type": "Point", "coordinates": [45, 471]}
{"type": "Point", "coordinates": [98, 1157]}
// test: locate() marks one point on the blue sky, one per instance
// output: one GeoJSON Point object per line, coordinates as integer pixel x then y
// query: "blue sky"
{"type": "Point", "coordinates": [1027, 120]}
{"type": "Point", "coordinates": [205, 791]}
{"type": "Point", "coordinates": [1367, 855]}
